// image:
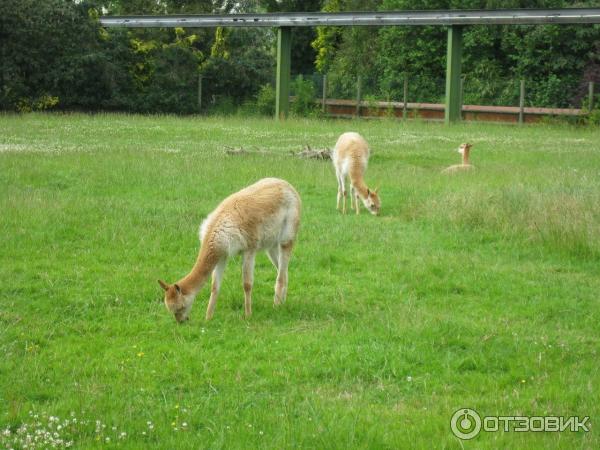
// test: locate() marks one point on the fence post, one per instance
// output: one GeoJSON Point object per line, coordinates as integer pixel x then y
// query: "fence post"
{"type": "Point", "coordinates": [461, 96]}
{"type": "Point", "coordinates": [522, 103]}
{"type": "Point", "coordinates": [358, 95]}
{"type": "Point", "coordinates": [199, 92]}
{"type": "Point", "coordinates": [282, 84]}
{"type": "Point", "coordinates": [405, 106]}
{"type": "Point", "coordinates": [591, 95]}
{"type": "Point", "coordinates": [453, 71]}
{"type": "Point", "coordinates": [324, 92]}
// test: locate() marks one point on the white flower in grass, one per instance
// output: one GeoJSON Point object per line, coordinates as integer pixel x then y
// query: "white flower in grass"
{"type": "Point", "coordinates": [409, 378]}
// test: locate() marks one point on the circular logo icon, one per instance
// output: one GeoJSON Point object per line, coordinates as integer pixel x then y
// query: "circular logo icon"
{"type": "Point", "coordinates": [465, 423]}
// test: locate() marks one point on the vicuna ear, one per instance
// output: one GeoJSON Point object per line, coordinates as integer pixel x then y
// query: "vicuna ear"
{"type": "Point", "coordinates": [376, 189]}
{"type": "Point", "coordinates": [178, 288]}
{"type": "Point", "coordinates": [163, 285]}
{"type": "Point", "coordinates": [368, 192]}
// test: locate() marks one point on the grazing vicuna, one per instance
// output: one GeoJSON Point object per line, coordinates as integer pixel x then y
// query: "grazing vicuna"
{"type": "Point", "coordinates": [464, 150]}
{"type": "Point", "coordinates": [350, 158]}
{"type": "Point", "coordinates": [263, 216]}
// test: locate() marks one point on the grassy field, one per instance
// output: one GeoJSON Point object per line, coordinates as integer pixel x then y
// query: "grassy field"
{"type": "Point", "coordinates": [476, 290]}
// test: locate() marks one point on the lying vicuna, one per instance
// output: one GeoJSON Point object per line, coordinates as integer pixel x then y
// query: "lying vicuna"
{"type": "Point", "coordinates": [464, 150]}
{"type": "Point", "coordinates": [263, 216]}
{"type": "Point", "coordinates": [350, 157]}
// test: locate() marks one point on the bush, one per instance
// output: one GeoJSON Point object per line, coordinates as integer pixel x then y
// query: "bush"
{"type": "Point", "coordinates": [591, 117]}
{"type": "Point", "coordinates": [222, 106]}
{"type": "Point", "coordinates": [265, 101]}
{"type": "Point", "coordinates": [304, 90]}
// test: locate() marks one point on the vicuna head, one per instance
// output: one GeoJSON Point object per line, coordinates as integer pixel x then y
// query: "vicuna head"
{"type": "Point", "coordinates": [372, 202]}
{"type": "Point", "coordinates": [464, 148]}
{"type": "Point", "coordinates": [176, 301]}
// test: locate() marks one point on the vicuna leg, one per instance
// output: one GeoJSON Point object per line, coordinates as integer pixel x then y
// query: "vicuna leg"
{"type": "Point", "coordinates": [273, 254]}
{"type": "Point", "coordinates": [217, 276]}
{"type": "Point", "coordinates": [352, 194]}
{"type": "Point", "coordinates": [285, 251]}
{"type": "Point", "coordinates": [341, 192]}
{"type": "Point", "coordinates": [357, 202]}
{"type": "Point", "coordinates": [248, 277]}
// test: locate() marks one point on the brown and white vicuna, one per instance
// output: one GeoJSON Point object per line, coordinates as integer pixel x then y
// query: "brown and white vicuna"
{"type": "Point", "coordinates": [464, 150]}
{"type": "Point", "coordinates": [263, 216]}
{"type": "Point", "coordinates": [350, 158]}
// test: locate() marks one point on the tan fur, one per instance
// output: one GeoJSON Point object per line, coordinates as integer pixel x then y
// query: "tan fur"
{"type": "Point", "coordinates": [350, 157]}
{"type": "Point", "coordinates": [464, 150]}
{"type": "Point", "coordinates": [263, 216]}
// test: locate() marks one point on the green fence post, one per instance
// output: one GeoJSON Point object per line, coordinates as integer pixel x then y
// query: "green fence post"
{"type": "Point", "coordinates": [324, 93]}
{"type": "Point", "coordinates": [200, 92]}
{"type": "Point", "coordinates": [522, 103]}
{"type": "Point", "coordinates": [282, 96]}
{"type": "Point", "coordinates": [405, 99]}
{"type": "Point", "coordinates": [358, 95]}
{"type": "Point", "coordinates": [453, 69]}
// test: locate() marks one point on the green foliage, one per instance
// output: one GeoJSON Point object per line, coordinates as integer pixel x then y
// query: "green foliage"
{"type": "Point", "coordinates": [265, 100]}
{"type": "Point", "coordinates": [224, 106]}
{"type": "Point", "coordinates": [591, 117]}
{"type": "Point", "coordinates": [242, 63]}
{"type": "Point", "coordinates": [43, 103]}
{"type": "Point", "coordinates": [55, 49]}
{"type": "Point", "coordinates": [48, 48]}
{"type": "Point", "coordinates": [552, 59]}
{"type": "Point", "coordinates": [304, 91]}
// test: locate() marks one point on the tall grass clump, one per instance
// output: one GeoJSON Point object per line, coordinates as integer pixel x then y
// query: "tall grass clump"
{"type": "Point", "coordinates": [564, 221]}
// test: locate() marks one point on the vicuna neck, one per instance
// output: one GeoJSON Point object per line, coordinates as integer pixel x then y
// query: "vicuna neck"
{"type": "Point", "coordinates": [465, 156]}
{"type": "Point", "coordinates": [360, 187]}
{"type": "Point", "coordinates": [193, 281]}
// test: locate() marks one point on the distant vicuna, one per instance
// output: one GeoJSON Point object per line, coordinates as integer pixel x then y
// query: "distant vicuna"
{"type": "Point", "coordinates": [464, 150]}
{"type": "Point", "coordinates": [263, 216]}
{"type": "Point", "coordinates": [350, 158]}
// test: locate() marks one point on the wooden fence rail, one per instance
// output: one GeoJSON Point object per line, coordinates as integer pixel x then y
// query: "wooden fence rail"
{"type": "Point", "coordinates": [435, 111]}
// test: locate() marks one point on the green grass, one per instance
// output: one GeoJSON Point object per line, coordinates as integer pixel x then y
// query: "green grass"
{"type": "Point", "coordinates": [477, 290]}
